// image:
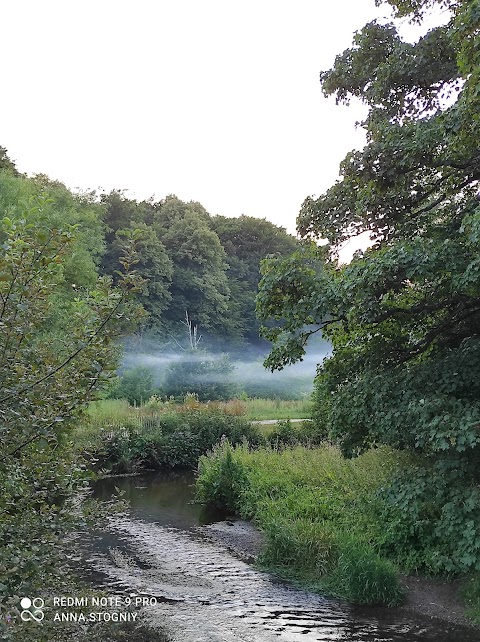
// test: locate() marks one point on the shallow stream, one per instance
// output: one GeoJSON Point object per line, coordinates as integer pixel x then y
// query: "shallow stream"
{"type": "Point", "coordinates": [206, 594]}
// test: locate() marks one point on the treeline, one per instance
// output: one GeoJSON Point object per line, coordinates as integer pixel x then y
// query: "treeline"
{"type": "Point", "coordinates": [188, 260]}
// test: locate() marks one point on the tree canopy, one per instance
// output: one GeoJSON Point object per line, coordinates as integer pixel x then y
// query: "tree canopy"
{"type": "Point", "coordinates": [247, 240]}
{"type": "Point", "coordinates": [404, 315]}
{"type": "Point", "coordinates": [191, 261]}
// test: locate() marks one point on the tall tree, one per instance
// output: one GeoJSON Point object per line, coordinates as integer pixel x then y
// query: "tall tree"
{"type": "Point", "coordinates": [403, 316]}
{"type": "Point", "coordinates": [248, 240]}
{"type": "Point", "coordinates": [199, 282]}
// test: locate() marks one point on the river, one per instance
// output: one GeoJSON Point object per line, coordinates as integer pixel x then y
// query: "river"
{"type": "Point", "coordinates": [206, 594]}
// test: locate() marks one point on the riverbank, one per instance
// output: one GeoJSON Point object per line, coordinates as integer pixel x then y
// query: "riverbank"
{"type": "Point", "coordinates": [433, 598]}
{"type": "Point", "coordinates": [205, 593]}
{"type": "Point", "coordinates": [325, 526]}
{"type": "Point", "coordinates": [316, 509]}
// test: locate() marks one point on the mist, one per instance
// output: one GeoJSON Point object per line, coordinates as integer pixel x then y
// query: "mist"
{"type": "Point", "coordinates": [241, 367]}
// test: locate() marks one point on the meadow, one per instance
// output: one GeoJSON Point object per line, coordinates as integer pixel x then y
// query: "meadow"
{"type": "Point", "coordinates": [115, 412]}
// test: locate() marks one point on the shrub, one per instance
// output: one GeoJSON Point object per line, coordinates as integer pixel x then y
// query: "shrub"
{"type": "Point", "coordinates": [135, 385]}
{"type": "Point", "coordinates": [174, 438]}
{"type": "Point", "coordinates": [209, 377]}
{"type": "Point", "coordinates": [470, 593]}
{"type": "Point", "coordinates": [223, 482]}
{"type": "Point", "coordinates": [284, 434]}
{"type": "Point", "coordinates": [431, 524]}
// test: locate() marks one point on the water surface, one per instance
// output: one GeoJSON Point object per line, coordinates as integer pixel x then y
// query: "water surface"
{"type": "Point", "coordinates": [206, 594]}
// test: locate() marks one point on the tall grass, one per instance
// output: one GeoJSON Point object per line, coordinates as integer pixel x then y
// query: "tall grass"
{"type": "Point", "coordinates": [317, 510]}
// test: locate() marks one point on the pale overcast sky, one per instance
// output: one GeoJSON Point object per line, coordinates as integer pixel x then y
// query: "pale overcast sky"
{"type": "Point", "coordinates": [212, 100]}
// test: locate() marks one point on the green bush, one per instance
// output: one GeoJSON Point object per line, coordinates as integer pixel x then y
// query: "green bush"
{"type": "Point", "coordinates": [470, 594]}
{"type": "Point", "coordinates": [171, 439]}
{"type": "Point", "coordinates": [223, 482]}
{"type": "Point", "coordinates": [431, 523]}
{"type": "Point", "coordinates": [207, 376]}
{"type": "Point", "coordinates": [284, 434]}
{"type": "Point", "coordinates": [135, 385]}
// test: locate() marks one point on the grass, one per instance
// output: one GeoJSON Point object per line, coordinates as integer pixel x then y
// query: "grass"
{"type": "Point", "coordinates": [317, 510]}
{"type": "Point", "coordinates": [111, 410]}
{"type": "Point", "coordinates": [258, 409]}
{"type": "Point", "coordinates": [470, 595]}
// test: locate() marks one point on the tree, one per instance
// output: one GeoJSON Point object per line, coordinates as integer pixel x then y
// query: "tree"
{"type": "Point", "coordinates": [248, 240]}
{"type": "Point", "coordinates": [153, 265]}
{"type": "Point", "coordinates": [46, 379]}
{"type": "Point", "coordinates": [199, 282]}
{"type": "Point", "coordinates": [126, 218]}
{"type": "Point", "coordinates": [403, 316]}
{"type": "Point", "coordinates": [6, 164]}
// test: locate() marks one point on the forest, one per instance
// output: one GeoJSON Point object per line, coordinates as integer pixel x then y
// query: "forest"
{"type": "Point", "coordinates": [123, 323]}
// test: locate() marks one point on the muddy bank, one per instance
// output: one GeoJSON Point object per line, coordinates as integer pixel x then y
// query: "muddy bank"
{"type": "Point", "coordinates": [433, 598]}
{"type": "Point", "coordinates": [239, 536]}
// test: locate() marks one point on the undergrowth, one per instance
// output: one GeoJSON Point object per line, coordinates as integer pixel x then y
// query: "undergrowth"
{"type": "Point", "coordinates": [120, 438]}
{"type": "Point", "coordinates": [317, 510]}
{"type": "Point", "coordinates": [470, 594]}
{"type": "Point", "coordinates": [130, 439]}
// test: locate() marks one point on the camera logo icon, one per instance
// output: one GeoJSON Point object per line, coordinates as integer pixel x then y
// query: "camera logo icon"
{"type": "Point", "coordinates": [32, 609]}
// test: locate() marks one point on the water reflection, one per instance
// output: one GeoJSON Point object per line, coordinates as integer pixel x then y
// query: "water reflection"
{"type": "Point", "coordinates": [166, 498]}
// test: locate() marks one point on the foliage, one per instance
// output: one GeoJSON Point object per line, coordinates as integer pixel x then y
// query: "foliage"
{"type": "Point", "coordinates": [222, 482]}
{"type": "Point", "coordinates": [154, 265]}
{"type": "Point", "coordinates": [208, 376]}
{"type": "Point", "coordinates": [135, 385]}
{"type": "Point", "coordinates": [403, 316]}
{"type": "Point", "coordinates": [192, 261]}
{"type": "Point", "coordinates": [45, 381]}
{"type": "Point", "coordinates": [432, 519]}
{"type": "Point", "coordinates": [199, 282]}
{"type": "Point", "coordinates": [247, 241]}
{"type": "Point", "coordinates": [124, 218]}
{"type": "Point", "coordinates": [317, 510]}
{"type": "Point", "coordinates": [81, 256]}
{"type": "Point", "coordinates": [165, 437]}
{"type": "Point", "coordinates": [6, 164]}
{"type": "Point", "coordinates": [283, 434]}
{"type": "Point", "coordinates": [471, 595]}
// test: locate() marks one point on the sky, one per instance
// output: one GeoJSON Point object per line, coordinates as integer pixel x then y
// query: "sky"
{"type": "Point", "coordinates": [217, 101]}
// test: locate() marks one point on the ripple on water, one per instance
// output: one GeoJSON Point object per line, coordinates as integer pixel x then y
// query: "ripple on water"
{"type": "Point", "coordinates": [207, 594]}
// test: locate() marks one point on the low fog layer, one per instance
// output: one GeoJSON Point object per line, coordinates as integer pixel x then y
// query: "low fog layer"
{"type": "Point", "coordinates": [246, 370]}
